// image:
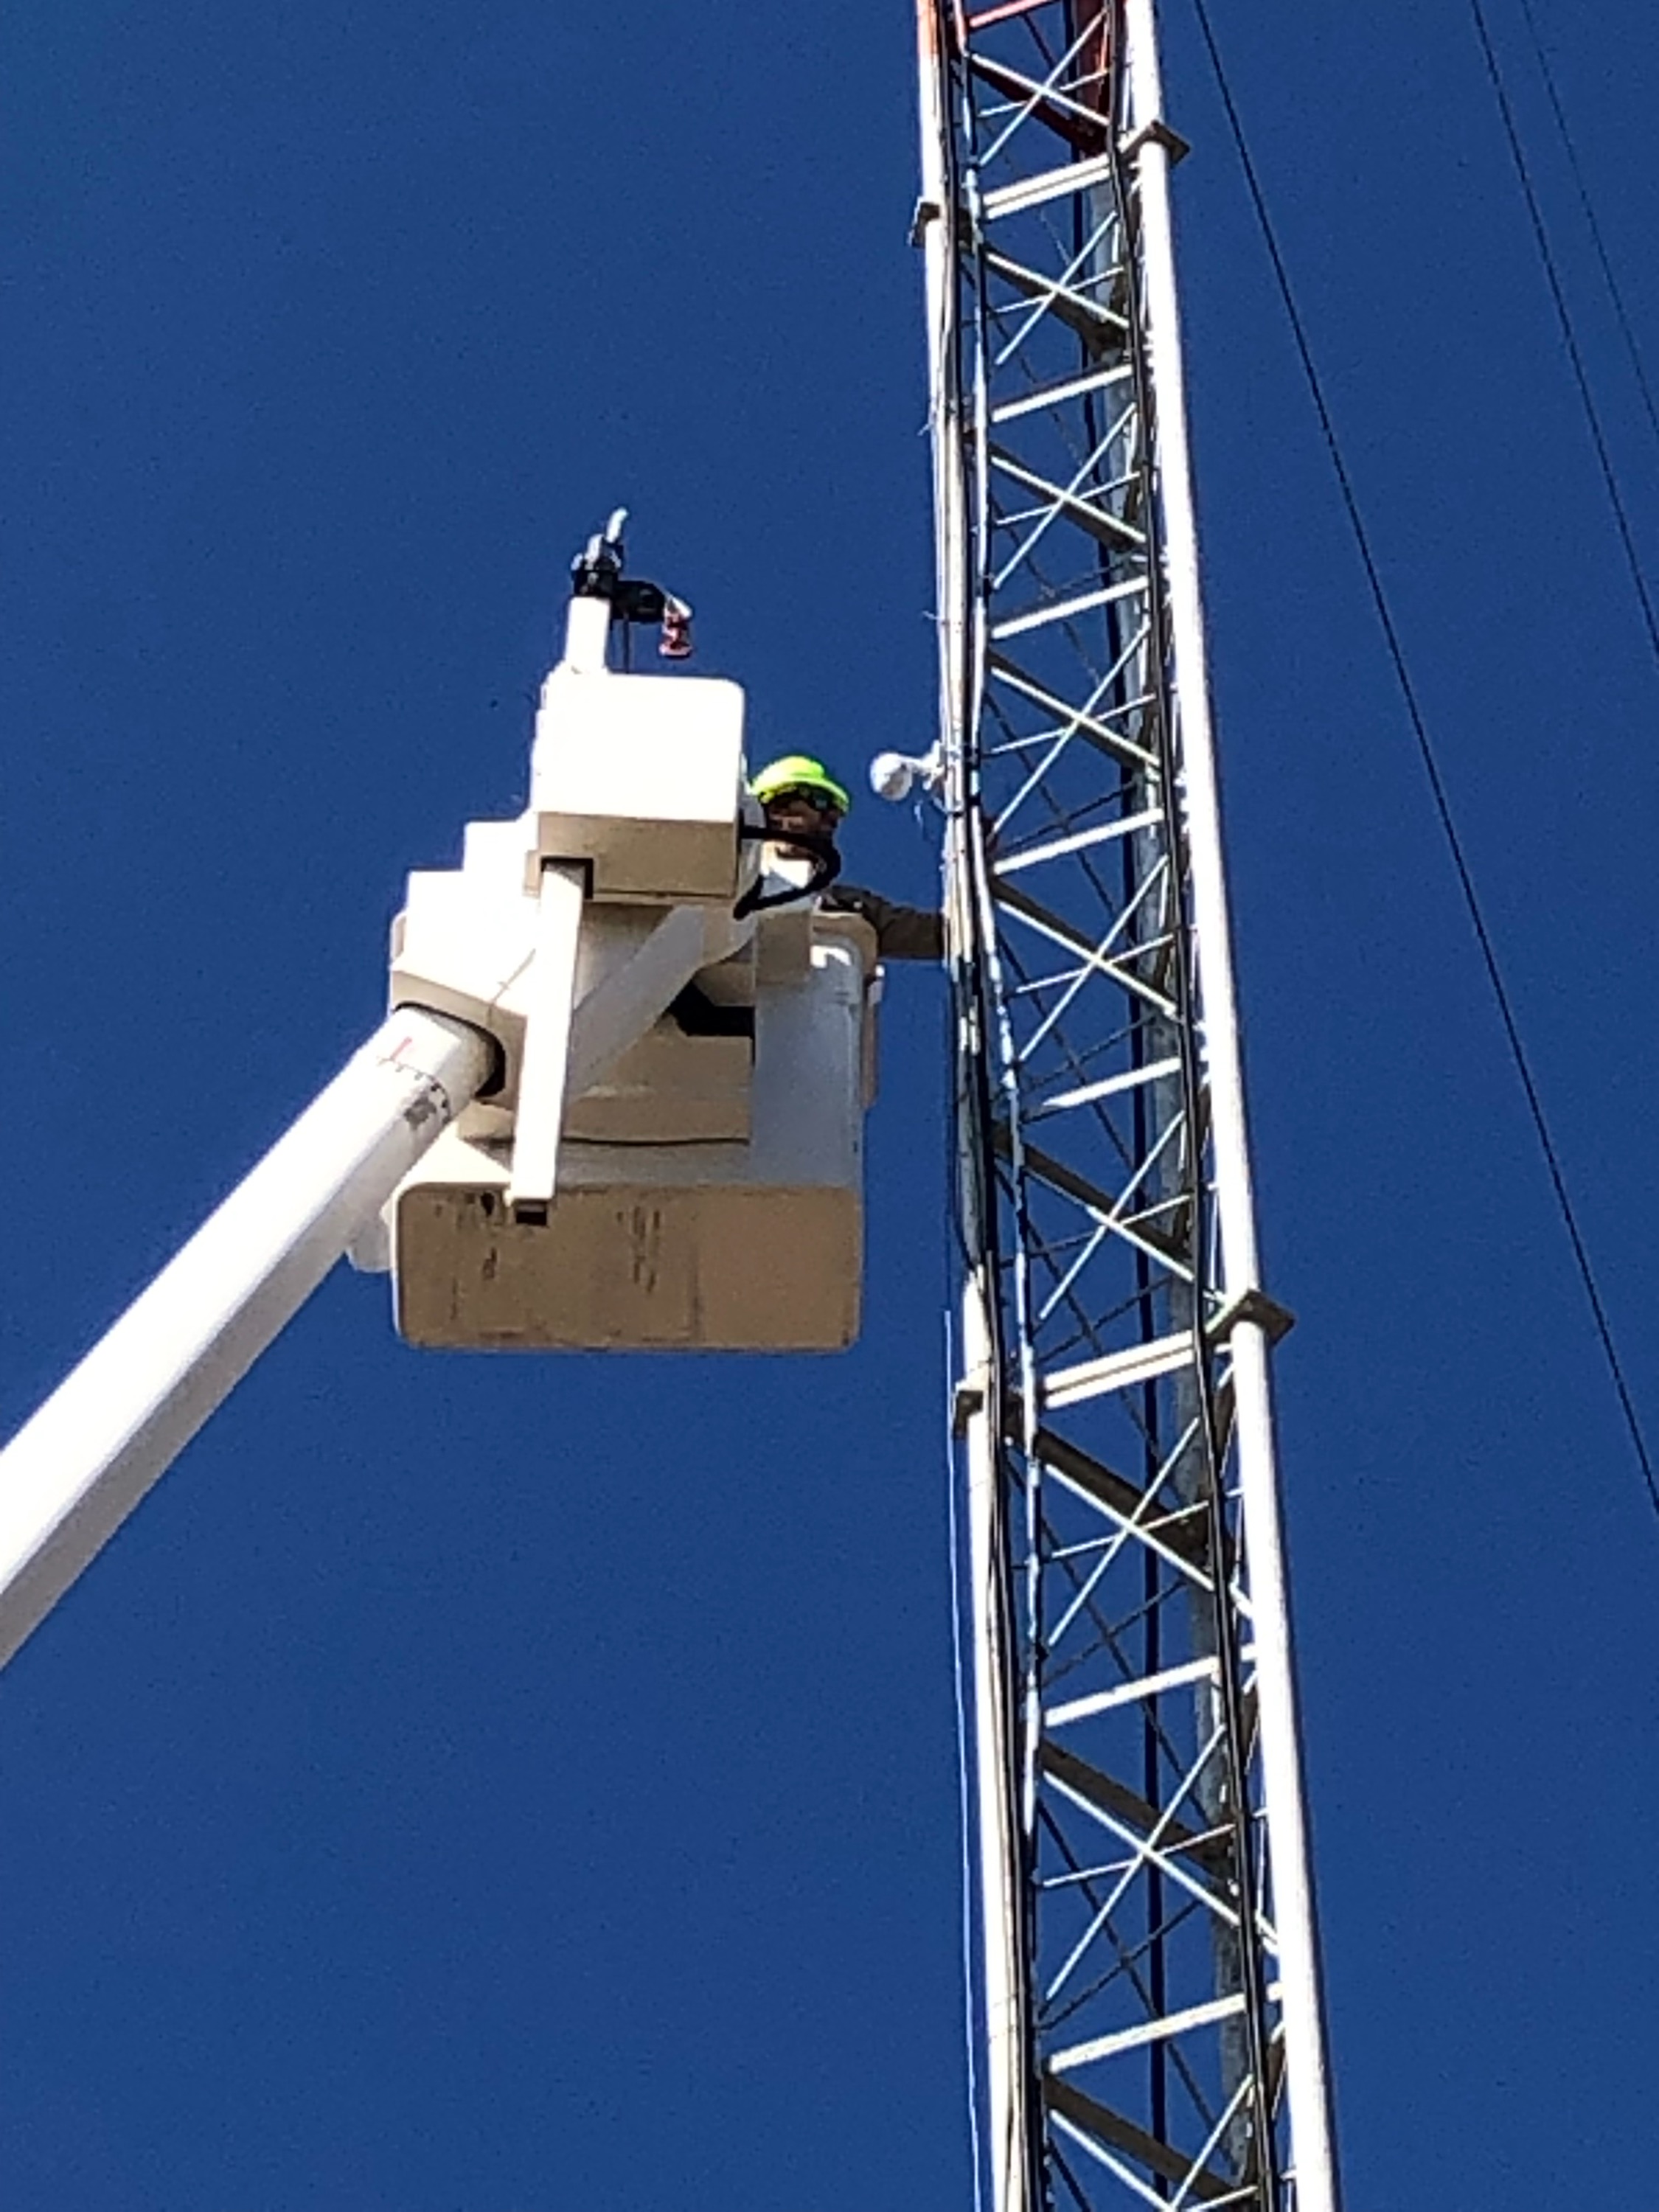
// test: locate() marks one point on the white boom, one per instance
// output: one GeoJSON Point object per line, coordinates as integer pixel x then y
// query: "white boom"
{"type": "Point", "coordinates": [599, 965]}
{"type": "Point", "coordinates": [74, 1472]}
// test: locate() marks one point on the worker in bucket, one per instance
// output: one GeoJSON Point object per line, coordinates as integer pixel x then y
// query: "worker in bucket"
{"type": "Point", "coordinates": [803, 801]}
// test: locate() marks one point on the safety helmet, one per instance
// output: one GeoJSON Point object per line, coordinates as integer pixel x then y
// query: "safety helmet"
{"type": "Point", "coordinates": [799, 772]}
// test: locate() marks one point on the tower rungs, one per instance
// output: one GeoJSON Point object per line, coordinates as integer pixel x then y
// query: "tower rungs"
{"type": "Point", "coordinates": [1148, 2031]}
{"type": "Point", "coordinates": [1128, 1693]}
{"type": "Point", "coordinates": [1049, 184]}
{"type": "Point", "coordinates": [1109, 1086]}
{"type": "Point", "coordinates": [1118, 1371]}
{"type": "Point", "coordinates": [1057, 848]}
{"type": "Point", "coordinates": [1062, 609]}
{"type": "Point", "coordinates": [1060, 395]}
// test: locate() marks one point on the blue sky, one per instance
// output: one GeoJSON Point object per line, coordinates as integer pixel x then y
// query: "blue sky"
{"type": "Point", "coordinates": [474, 1785]}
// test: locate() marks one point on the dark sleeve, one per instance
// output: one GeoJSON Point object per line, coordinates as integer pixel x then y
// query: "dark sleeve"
{"type": "Point", "coordinates": [902, 933]}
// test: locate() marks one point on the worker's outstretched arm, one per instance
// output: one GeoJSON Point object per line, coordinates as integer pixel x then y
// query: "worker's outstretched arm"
{"type": "Point", "coordinates": [902, 933]}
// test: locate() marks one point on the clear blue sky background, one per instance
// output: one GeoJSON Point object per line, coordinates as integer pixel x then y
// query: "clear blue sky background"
{"type": "Point", "coordinates": [473, 1785]}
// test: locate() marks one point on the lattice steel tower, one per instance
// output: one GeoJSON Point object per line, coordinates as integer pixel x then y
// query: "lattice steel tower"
{"type": "Point", "coordinates": [1148, 1993]}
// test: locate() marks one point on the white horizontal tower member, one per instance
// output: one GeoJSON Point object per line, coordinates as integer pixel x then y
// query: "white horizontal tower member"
{"type": "Point", "coordinates": [76, 1470]}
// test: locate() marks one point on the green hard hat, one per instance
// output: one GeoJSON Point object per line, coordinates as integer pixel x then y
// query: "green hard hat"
{"type": "Point", "coordinates": [799, 772]}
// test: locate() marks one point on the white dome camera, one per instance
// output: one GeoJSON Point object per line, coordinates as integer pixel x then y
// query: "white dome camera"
{"type": "Point", "coordinates": [892, 775]}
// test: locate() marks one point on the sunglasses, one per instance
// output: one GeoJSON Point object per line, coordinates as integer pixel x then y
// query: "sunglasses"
{"type": "Point", "coordinates": [820, 802]}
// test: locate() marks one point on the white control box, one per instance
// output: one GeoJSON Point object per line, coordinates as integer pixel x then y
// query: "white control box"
{"type": "Point", "coordinates": [640, 779]}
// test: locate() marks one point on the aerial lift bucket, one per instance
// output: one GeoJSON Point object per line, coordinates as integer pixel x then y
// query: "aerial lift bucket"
{"type": "Point", "coordinates": [671, 1154]}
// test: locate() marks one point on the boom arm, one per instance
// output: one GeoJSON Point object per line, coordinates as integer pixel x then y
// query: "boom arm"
{"type": "Point", "coordinates": [73, 1473]}
{"type": "Point", "coordinates": [559, 947]}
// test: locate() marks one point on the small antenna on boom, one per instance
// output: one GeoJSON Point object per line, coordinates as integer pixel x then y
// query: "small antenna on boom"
{"type": "Point", "coordinates": [597, 573]}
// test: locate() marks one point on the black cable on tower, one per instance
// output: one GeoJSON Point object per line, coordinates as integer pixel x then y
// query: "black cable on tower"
{"type": "Point", "coordinates": [1615, 292]}
{"type": "Point", "coordinates": [1420, 728]}
{"type": "Point", "coordinates": [1569, 336]}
